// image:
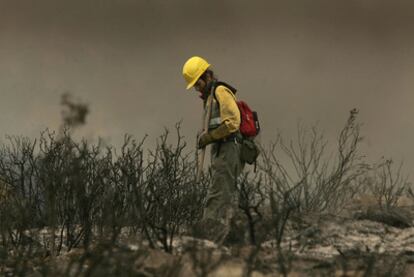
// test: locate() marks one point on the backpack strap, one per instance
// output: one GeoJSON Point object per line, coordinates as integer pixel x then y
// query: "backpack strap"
{"type": "Point", "coordinates": [213, 91]}
{"type": "Point", "coordinates": [219, 83]}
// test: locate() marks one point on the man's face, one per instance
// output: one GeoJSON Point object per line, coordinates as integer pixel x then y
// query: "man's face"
{"type": "Point", "coordinates": [199, 86]}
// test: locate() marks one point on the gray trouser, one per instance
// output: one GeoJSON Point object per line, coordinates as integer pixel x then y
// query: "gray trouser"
{"type": "Point", "coordinates": [226, 167]}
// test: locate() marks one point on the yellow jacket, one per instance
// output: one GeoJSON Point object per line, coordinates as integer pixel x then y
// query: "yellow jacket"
{"type": "Point", "coordinates": [227, 115]}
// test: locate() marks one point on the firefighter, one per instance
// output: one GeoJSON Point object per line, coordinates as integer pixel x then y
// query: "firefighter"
{"type": "Point", "coordinates": [224, 136]}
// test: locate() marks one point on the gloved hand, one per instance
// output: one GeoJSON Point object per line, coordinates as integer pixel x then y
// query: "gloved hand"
{"type": "Point", "coordinates": [204, 139]}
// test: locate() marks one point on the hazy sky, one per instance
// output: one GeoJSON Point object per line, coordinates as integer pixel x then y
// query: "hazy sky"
{"type": "Point", "coordinates": [308, 61]}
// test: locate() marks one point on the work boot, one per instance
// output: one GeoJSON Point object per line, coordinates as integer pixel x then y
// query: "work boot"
{"type": "Point", "coordinates": [237, 233]}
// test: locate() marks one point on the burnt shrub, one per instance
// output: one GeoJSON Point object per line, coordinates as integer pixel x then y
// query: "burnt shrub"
{"type": "Point", "coordinates": [251, 201]}
{"type": "Point", "coordinates": [322, 182]}
{"type": "Point", "coordinates": [172, 199]}
{"type": "Point", "coordinates": [58, 194]}
{"type": "Point", "coordinates": [387, 183]}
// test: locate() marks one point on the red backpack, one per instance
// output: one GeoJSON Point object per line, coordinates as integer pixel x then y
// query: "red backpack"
{"type": "Point", "coordinates": [249, 125]}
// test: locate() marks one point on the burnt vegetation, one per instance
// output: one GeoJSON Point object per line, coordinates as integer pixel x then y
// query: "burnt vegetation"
{"type": "Point", "coordinates": [71, 208]}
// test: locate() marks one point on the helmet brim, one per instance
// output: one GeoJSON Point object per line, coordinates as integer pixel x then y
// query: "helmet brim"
{"type": "Point", "coordinates": [190, 85]}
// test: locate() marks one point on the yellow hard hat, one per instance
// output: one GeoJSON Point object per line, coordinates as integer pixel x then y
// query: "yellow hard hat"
{"type": "Point", "coordinates": [193, 68]}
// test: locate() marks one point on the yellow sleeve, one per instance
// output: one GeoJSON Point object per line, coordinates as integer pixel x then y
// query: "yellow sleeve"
{"type": "Point", "coordinates": [229, 113]}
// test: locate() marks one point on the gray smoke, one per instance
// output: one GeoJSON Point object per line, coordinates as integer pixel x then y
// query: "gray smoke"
{"type": "Point", "coordinates": [74, 112]}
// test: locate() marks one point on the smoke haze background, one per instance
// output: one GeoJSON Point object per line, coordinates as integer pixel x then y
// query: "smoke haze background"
{"type": "Point", "coordinates": [307, 61]}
